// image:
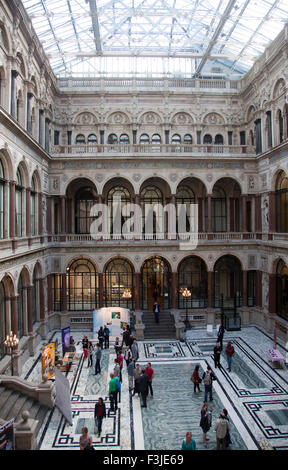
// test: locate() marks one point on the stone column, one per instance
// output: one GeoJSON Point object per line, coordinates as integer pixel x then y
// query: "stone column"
{"type": "Point", "coordinates": [210, 288]}
{"type": "Point", "coordinates": [49, 215]}
{"type": "Point", "coordinates": [64, 293]}
{"type": "Point", "coordinates": [209, 210]}
{"type": "Point", "coordinates": [41, 298]}
{"type": "Point", "coordinates": [12, 209]}
{"type": "Point", "coordinates": [174, 290]}
{"type": "Point", "coordinates": [244, 289]}
{"type": "Point", "coordinates": [40, 217]}
{"type": "Point", "coordinates": [100, 281]}
{"type": "Point", "coordinates": [200, 214]}
{"type": "Point", "coordinates": [29, 309]}
{"type": "Point", "coordinates": [63, 214]}
{"type": "Point", "coordinates": [272, 212]}
{"type": "Point", "coordinates": [137, 291]}
{"type": "Point", "coordinates": [272, 293]}
{"type": "Point", "coordinates": [138, 225]}
{"type": "Point", "coordinates": [28, 212]}
{"type": "Point", "coordinates": [258, 214]}
{"type": "Point", "coordinates": [243, 213]}
{"type": "Point", "coordinates": [50, 293]}
{"type": "Point", "coordinates": [14, 315]}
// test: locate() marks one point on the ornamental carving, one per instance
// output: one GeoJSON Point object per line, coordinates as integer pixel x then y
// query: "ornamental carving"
{"type": "Point", "coordinates": [182, 119]}
{"type": "Point", "coordinates": [150, 118]}
{"type": "Point", "coordinates": [118, 118]}
{"type": "Point", "coordinates": [213, 119]}
{"type": "Point", "coordinates": [86, 119]}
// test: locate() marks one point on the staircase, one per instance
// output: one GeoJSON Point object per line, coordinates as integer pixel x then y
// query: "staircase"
{"type": "Point", "coordinates": [165, 329]}
{"type": "Point", "coordinates": [13, 403]}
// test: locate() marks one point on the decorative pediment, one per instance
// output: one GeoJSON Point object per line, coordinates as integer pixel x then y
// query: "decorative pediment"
{"type": "Point", "coordinates": [150, 118]}
{"type": "Point", "coordinates": [213, 119]}
{"type": "Point", "coordinates": [118, 118]}
{"type": "Point", "coordinates": [182, 119]}
{"type": "Point", "coordinates": [86, 119]}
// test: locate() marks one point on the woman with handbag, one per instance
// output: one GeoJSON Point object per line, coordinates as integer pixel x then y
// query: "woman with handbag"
{"type": "Point", "coordinates": [196, 379]}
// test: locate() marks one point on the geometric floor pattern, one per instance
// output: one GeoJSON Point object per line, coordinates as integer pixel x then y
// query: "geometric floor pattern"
{"type": "Point", "coordinates": [255, 394]}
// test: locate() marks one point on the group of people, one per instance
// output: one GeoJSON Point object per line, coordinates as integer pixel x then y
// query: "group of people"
{"type": "Point", "coordinates": [229, 350]}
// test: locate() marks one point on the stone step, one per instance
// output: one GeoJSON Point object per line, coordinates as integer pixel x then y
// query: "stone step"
{"type": "Point", "coordinates": [5, 394]}
{"type": "Point", "coordinates": [7, 410]}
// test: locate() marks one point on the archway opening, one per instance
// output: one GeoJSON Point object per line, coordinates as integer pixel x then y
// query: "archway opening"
{"type": "Point", "coordinates": [155, 281]}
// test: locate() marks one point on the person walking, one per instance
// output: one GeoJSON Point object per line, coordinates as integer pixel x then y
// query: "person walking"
{"type": "Point", "coordinates": [128, 355]}
{"type": "Point", "coordinates": [150, 373]}
{"type": "Point", "coordinates": [221, 427]}
{"type": "Point", "coordinates": [137, 373]}
{"type": "Point", "coordinates": [99, 414]}
{"type": "Point", "coordinates": [205, 422]}
{"type": "Point", "coordinates": [156, 310]}
{"type": "Point", "coordinates": [101, 336]}
{"type": "Point", "coordinates": [116, 370]}
{"type": "Point", "coordinates": [120, 362]}
{"type": "Point", "coordinates": [229, 350]}
{"type": "Point", "coordinates": [85, 346]}
{"type": "Point", "coordinates": [86, 441]}
{"type": "Point", "coordinates": [98, 354]}
{"type": "Point", "coordinates": [227, 437]}
{"type": "Point", "coordinates": [106, 332]}
{"type": "Point", "coordinates": [117, 345]}
{"type": "Point", "coordinates": [207, 378]}
{"type": "Point", "coordinates": [113, 392]}
{"type": "Point", "coordinates": [90, 354]}
{"type": "Point", "coordinates": [220, 336]}
{"type": "Point", "coordinates": [126, 337]}
{"type": "Point", "coordinates": [188, 443]}
{"type": "Point", "coordinates": [217, 355]}
{"type": "Point", "coordinates": [196, 379]}
{"type": "Point", "coordinates": [135, 350]}
{"type": "Point", "coordinates": [143, 388]}
{"type": "Point", "coordinates": [130, 370]}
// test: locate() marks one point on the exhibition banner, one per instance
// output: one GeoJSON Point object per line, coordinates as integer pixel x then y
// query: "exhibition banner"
{"type": "Point", "coordinates": [62, 401]}
{"type": "Point", "coordinates": [65, 339]}
{"type": "Point", "coordinates": [48, 361]}
{"type": "Point", "coordinates": [7, 436]}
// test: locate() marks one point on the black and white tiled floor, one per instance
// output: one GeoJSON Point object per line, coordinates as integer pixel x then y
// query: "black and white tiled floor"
{"type": "Point", "coordinates": [255, 394]}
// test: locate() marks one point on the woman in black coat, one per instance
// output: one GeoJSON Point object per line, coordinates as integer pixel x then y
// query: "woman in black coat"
{"type": "Point", "coordinates": [99, 414]}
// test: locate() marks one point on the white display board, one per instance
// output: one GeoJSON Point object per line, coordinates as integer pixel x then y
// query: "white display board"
{"type": "Point", "coordinates": [116, 318]}
{"type": "Point", "coordinates": [62, 401]}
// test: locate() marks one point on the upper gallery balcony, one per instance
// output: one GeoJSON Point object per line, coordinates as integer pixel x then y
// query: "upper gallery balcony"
{"type": "Point", "coordinates": [152, 150]}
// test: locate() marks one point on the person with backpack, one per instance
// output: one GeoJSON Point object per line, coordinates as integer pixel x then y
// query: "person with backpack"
{"type": "Point", "coordinates": [196, 379]}
{"type": "Point", "coordinates": [222, 428]}
{"type": "Point", "coordinates": [207, 378]}
{"type": "Point", "coordinates": [205, 422]}
{"type": "Point", "coordinates": [229, 353]}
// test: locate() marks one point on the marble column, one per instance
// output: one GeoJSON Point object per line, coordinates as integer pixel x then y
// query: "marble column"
{"type": "Point", "coordinates": [64, 293]}
{"type": "Point", "coordinates": [209, 214]}
{"type": "Point", "coordinates": [244, 289]}
{"type": "Point", "coordinates": [29, 309]}
{"type": "Point", "coordinates": [40, 216]}
{"type": "Point", "coordinates": [272, 212]}
{"type": "Point", "coordinates": [174, 290]}
{"type": "Point", "coordinates": [100, 281]}
{"type": "Point", "coordinates": [137, 291]}
{"type": "Point", "coordinates": [14, 315]}
{"type": "Point", "coordinates": [12, 209]}
{"type": "Point", "coordinates": [50, 293]}
{"type": "Point", "coordinates": [210, 288]}
{"type": "Point", "coordinates": [28, 212]}
{"type": "Point", "coordinates": [243, 213]}
{"type": "Point", "coordinates": [41, 299]}
{"type": "Point", "coordinates": [200, 214]}
{"type": "Point", "coordinates": [63, 214]}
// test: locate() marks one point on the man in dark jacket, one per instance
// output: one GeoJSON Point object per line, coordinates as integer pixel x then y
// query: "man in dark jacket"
{"type": "Point", "coordinates": [143, 387]}
{"type": "Point", "coordinates": [156, 310]}
{"type": "Point", "coordinates": [106, 337]}
{"type": "Point", "coordinates": [217, 355]}
{"type": "Point", "coordinates": [99, 414]}
{"type": "Point", "coordinates": [220, 336]}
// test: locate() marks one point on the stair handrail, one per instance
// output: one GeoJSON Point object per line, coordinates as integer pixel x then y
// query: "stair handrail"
{"type": "Point", "coordinates": [42, 393]}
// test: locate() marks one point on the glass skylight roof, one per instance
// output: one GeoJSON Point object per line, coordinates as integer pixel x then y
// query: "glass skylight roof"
{"type": "Point", "coordinates": [155, 37]}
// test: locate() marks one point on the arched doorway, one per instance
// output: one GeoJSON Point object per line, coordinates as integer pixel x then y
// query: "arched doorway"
{"type": "Point", "coordinates": [155, 276]}
{"type": "Point", "coordinates": [228, 282]}
{"type": "Point", "coordinates": [282, 290]}
{"type": "Point", "coordinates": [118, 280]}
{"type": "Point", "coordinates": [192, 273]}
{"type": "Point", "coordinates": [82, 285]}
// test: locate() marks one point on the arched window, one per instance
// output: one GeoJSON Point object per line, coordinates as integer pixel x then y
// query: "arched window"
{"type": "Point", "coordinates": [144, 139]}
{"type": "Point", "coordinates": [282, 203]}
{"type": "Point", "coordinates": [80, 139]}
{"type": "Point", "coordinates": [2, 200]}
{"type": "Point", "coordinates": [282, 290]}
{"type": "Point", "coordinates": [33, 208]}
{"type": "Point", "coordinates": [85, 199]}
{"type": "Point", "coordinates": [156, 139]}
{"type": "Point", "coordinates": [281, 125]}
{"type": "Point", "coordinates": [92, 139]}
{"type": "Point", "coordinates": [117, 198]}
{"type": "Point", "coordinates": [227, 282]}
{"type": "Point", "coordinates": [207, 139]}
{"type": "Point", "coordinates": [3, 323]}
{"type": "Point", "coordinates": [18, 204]}
{"type": "Point", "coordinates": [82, 286]}
{"type": "Point", "coordinates": [35, 297]}
{"type": "Point", "coordinates": [112, 139]}
{"type": "Point", "coordinates": [124, 139]}
{"type": "Point", "coordinates": [184, 198]}
{"type": "Point", "coordinates": [118, 281]}
{"type": "Point", "coordinates": [219, 219]}
{"type": "Point", "coordinates": [187, 139]}
{"type": "Point", "coordinates": [176, 139]}
{"type": "Point", "coordinates": [219, 139]}
{"type": "Point", "coordinates": [192, 273]}
{"type": "Point", "coordinates": [152, 212]}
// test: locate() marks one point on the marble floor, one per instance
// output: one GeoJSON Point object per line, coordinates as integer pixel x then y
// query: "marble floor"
{"type": "Point", "coordinates": [255, 394]}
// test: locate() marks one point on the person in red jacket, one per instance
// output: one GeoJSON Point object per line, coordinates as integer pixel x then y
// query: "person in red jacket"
{"type": "Point", "coordinates": [229, 353]}
{"type": "Point", "coordinates": [120, 362]}
{"type": "Point", "coordinates": [150, 372]}
{"type": "Point", "coordinates": [196, 379]}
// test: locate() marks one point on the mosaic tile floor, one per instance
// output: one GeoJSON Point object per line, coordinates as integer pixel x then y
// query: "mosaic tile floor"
{"type": "Point", "coordinates": [255, 394]}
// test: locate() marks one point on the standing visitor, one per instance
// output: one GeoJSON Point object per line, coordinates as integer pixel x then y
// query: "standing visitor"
{"type": "Point", "coordinates": [220, 336]}
{"type": "Point", "coordinates": [221, 427]}
{"type": "Point", "coordinates": [196, 379]}
{"type": "Point", "coordinates": [227, 437]}
{"type": "Point", "coordinates": [229, 353]}
{"type": "Point", "coordinates": [117, 345]}
{"type": "Point", "coordinates": [106, 332]}
{"type": "Point", "coordinates": [99, 414]}
{"type": "Point", "coordinates": [143, 388]}
{"type": "Point", "coordinates": [98, 354]}
{"type": "Point", "coordinates": [130, 370]}
{"type": "Point", "coordinates": [126, 337]}
{"type": "Point", "coordinates": [207, 378]}
{"type": "Point", "coordinates": [205, 422]}
{"type": "Point", "coordinates": [188, 443]}
{"type": "Point", "coordinates": [156, 310]}
{"type": "Point", "coordinates": [113, 392]}
{"type": "Point", "coordinates": [85, 346]}
{"type": "Point", "coordinates": [135, 350]}
{"type": "Point", "coordinates": [90, 354]}
{"type": "Point", "coordinates": [86, 441]}
{"type": "Point", "coordinates": [137, 373]}
{"type": "Point", "coordinates": [217, 355]}
{"type": "Point", "coordinates": [101, 336]}
{"type": "Point", "coordinates": [150, 373]}
{"type": "Point", "coordinates": [120, 362]}
{"type": "Point", "coordinates": [116, 369]}
{"type": "Point", "coordinates": [128, 355]}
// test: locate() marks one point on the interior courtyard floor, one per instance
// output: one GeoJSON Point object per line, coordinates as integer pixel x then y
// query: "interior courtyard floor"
{"type": "Point", "coordinates": [255, 393]}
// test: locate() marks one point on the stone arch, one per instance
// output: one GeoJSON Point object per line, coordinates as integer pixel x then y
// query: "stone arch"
{"type": "Point", "coordinates": [81, 179]}
{"type": "Point", "coordinates": [213, 119]}
{"type": "Point", "coordinates": [150, 118]}
{"type": "Point", "coordinates": [37, 180]}
{"type": "Point", "coordinates": [6, 160]}
{"type": "Point", "coordinates": [4, 36]}
{"type": "Point", "coordinates": [118, 180]}
{"type": "Point", "coordinates": [22, 67]}
{"type": "Point", "coordinates": [228, 253]}
{"type": "Point", "coordinates": [118, 118]}
{"type": "Point", "coordinates": [86, 118]}
{"type": "Point", "coordinates": [250, 113]}
{"type": "Point", "coordinates": [22, 166]}
{"type": "Point", "coordinates": [279, 88]}
{"type": "Point", "coordinates": [182, 118]}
